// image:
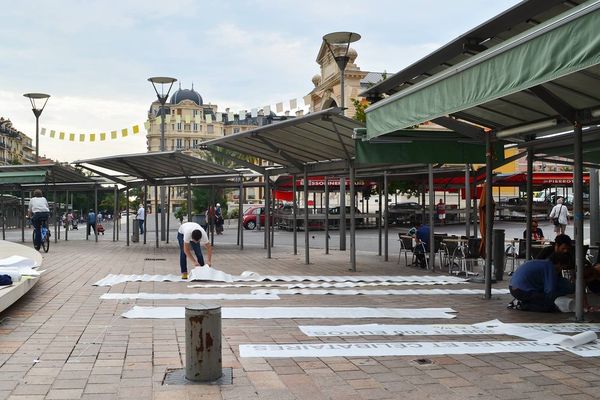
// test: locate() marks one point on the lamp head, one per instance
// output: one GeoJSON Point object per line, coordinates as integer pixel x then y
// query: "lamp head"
{"type": "Point", "coordinates": [162, 81]}
{"type": "Point", "coordinates": [39, 98]}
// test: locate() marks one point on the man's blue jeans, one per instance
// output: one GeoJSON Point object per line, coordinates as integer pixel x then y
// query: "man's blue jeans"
{"type": "Point", "coordinates": [183, 258]}
{"type": "Point", "coordinates": [37, 220]}
{"type": "Point", "coordinates": [141, 224]}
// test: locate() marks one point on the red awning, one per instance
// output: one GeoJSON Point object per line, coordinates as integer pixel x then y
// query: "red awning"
{"type": "Point", "coordinates": [317, 183]}
{"type": "Point", "coordinates": [544, 179]}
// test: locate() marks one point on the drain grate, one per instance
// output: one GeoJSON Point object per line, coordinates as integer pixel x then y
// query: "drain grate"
{"type": "Point", "coordinates": [423, 361]}
{"type": "Point", "coordinates": [155, 259]}
{"type": "Point", "coordinates": [177, 377]}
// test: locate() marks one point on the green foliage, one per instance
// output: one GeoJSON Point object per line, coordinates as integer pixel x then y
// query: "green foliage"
{"type": "Point", "coordinates": [201, 199]}
{"type": "Point", "coordinates": [407, 188]}
{"type": "Point", "coordinates": [234, 214]}
{"type": "Point", "coordinates": [108, 202]}
{"type": "Point", "coordinates": [359, 108]}
{"type": "Point", "coordinates": [181, 212]}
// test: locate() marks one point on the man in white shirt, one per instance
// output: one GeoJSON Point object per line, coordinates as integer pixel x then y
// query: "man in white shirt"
{"type": "Point", "coordinates": [560, 213]}
{"type": "Point", "coordinates": [38, 211]}
{"type": "Point", "coordinates": [141, 217]}
{"type": "Point", "coordinates": [190, 235]}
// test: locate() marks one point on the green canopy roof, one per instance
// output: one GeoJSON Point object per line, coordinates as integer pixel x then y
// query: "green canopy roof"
{"type": "Point", "coordinates": [11, 178]}
{"type": "Point", "coordinates": [490, 89]}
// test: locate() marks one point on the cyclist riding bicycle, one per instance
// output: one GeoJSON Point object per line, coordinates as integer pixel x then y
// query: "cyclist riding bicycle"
{"type": "Point", "coordinates": [39, 211]}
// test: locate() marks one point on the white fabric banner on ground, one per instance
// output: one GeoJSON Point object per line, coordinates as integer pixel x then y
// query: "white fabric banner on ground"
{"type": "Point", "coordinates": [390, 349]}
{"type": "Point", "coordinates": [206, 273]}
{"type": "Point", "coordinates": [187, 296]}
{"type": "Point", "coordinates": [539, 335]}
{"type": "Point", "coordinates": [431, 329]}
{"type": "Point", "coordinates": [17, 262]}
{"type": "Point", "coordinates": [591, 349]}
{"type": "Point", "coordinates": [249, 276]}
{"type": "Point", "coordinates": [297, 312]}
{"type": "Point", "coordinates": [316, 285]}
{"type": "Point", "coordinates": [395, 292]}
{"type": "Point", "coordinates": [112, 279]}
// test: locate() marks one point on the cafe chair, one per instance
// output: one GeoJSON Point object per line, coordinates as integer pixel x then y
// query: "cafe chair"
{"type": "Point", "coordinates": [406, 246]}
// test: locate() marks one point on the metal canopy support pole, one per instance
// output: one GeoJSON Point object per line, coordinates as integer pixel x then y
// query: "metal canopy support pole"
{"type": "Point", "coordinates": [529, 213]}
{"type": "Point", "coordinates": [295, 214]}
{"type": "Point", "coordinates": [96, 211]}
{"type": "Point", "coordinates": [306, 242]}
{"type": "Point", "coordinates": [379, 223]}
{"type": "Point", "coordinates": [162, 188]}
{"type": "Point", "coordinates": [326, 215]}
{"type": "Point", "coordinates": [489, 215]}
{"type": "Point", "coordinates": [22, 216]}
{"type": "Point", "coordinates": [3, 214]}
{"type": "Point", "coordinates": [189, 202]}
{"type": "Point", "coordinates": [352, 219]}
{"type": "Point", "coordinates": [467, 201]}
{"type": "Point", "coordinates": [127, 212]}
{"type": "Point", "coordinates": [115, 211]}
{"type": "Point", "coordinates": [67, 217]}
{"type": "Point", "coordinates": [240, 215]}
{"type": "Point", "coordinates": [145, 199]}
{"type": "Point", "coordinates": [386, 224]}
{"type": "Point", "coordinates": [168, 213]}
{"type": "Point", "coordinates": [155, 218]}
{"type": "Point", "coordinates": [474, 191]}
{"type": "Point", "coordinates": [594, 207]}
{"type": "Point", "coordinates": [431, 218]}
{"type": "Point", "coordinates": [342, 213]}
{"type": "Point", "coordinates": [56, 210]}
{"type": "Point", "coordinates": [578, 220]}
{"type": "Point", "coordinates": [268, 213]}
{"type": "Point", "coordinates": [211, 215]}
{"type": "Point", "coordinates": [272, 230]}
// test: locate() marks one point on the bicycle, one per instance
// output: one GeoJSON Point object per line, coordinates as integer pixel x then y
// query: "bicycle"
{"type": "Point", "coordinates": [45, 232]}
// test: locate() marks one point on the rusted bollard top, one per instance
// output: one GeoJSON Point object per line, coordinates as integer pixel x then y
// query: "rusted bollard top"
{"type": "Point", "coordinates": [202, 307]}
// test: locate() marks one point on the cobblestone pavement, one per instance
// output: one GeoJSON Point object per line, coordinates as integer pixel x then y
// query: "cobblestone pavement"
{"type": "Point", "coordinates": [61, 341]}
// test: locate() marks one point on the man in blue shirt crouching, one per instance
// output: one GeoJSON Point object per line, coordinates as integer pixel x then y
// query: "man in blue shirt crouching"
{"type": "Point", "coordinates": [537, 283]}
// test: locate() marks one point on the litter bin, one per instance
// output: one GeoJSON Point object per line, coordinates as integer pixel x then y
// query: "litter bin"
{"type": "Point", "coordinates": [135, 234]}
{"type": "Point", "coordinates": [498, 253]}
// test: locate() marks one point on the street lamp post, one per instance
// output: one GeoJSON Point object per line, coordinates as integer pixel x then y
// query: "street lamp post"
{"type": "Point", "coordinates": [162, 81]}
{"type": "Point", "coordinates": [37, 111]}
{"type": "Point", "coordinates": [341, 39]}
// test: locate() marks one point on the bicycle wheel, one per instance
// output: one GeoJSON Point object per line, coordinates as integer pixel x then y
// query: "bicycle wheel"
{"type": "Point", "coordinates": [33, 239]}
{"type": "Point", "coordinates": [46, 243]}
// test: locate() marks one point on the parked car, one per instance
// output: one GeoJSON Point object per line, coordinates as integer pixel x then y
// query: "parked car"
{"type": "Point", "coordinates": [336, 211]}
{"type": "Point", "coordinates": [404, 213]}
{"type": "Point", "coordinates": [249, 217]}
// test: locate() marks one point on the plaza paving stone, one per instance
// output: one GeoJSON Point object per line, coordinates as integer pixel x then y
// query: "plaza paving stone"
{"type": "Point", "coordinates": [61, 341]}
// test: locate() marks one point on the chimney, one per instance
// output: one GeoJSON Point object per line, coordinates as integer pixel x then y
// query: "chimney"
{"type": "Point", "coordinates": [299, 113]}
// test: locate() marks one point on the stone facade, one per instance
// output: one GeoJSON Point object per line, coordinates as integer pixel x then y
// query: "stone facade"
{"type": "Point", "coordinates": [15, 146]}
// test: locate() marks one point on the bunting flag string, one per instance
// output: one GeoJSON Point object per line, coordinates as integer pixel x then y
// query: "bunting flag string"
{"type": "Point", "coordinates": [187, 118]}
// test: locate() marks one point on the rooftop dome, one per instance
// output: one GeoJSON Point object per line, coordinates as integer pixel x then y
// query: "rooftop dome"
{"type": "Point", "coordinates": [186, 94]}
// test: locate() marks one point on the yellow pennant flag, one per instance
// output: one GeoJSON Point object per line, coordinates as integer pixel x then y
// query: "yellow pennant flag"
{"type": "Point", "coordinates": [197, 118]}
{"type": "Point", "coordinates": [167, 119]}
{"type": "Point", "coordinates": [157, 121]}
{"type": "Point", "coordinates": [52, 134]}
{"type": "Point", "coordinates": [103, 136]}
{"type": "Point", "coordinates": [136, 129]}
{"type": "Point", "coordinates": [61, 136]}
{"type": "Point", "coordinates": [43, 132]}
{"type": "Point", "coordinates": [82, 137]}
{"type": "Point", "coordinates": [113, 134]}
{"type": "Point", "coordinates": [147, 125]}
{"type": "Point", "coordinates": [92, 137]}
{"type": "Point", "coordinates": [71, 137]}
{"type": "Point", "coordinates": [178, 119]}
{"type": "Point", "coordinates": [188, 118]}
{"type": "Point", "coordinates": [124, 132]}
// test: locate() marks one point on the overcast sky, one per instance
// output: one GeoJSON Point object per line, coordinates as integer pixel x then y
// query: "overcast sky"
{"type": "Point", "coordinates": [94, 57]}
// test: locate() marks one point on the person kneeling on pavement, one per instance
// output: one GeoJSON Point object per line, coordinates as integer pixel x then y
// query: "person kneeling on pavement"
{"type": "Point", "coordinates": [537, 283]}
{"type": "Point", "coordinates": [190, 236]}
{"type": "Point", "coordinates": [422, 244]}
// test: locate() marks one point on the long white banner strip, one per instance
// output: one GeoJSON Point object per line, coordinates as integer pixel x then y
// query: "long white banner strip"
{"type": "Point", "coordinates": [188, 296]}
{"type": "Point", "coordinates": [395, 292]}
{"type": "Point", "coordinates": [316, 285]}
{"type": "Point", "coordinates": [431, 329]}
{"type": "Point", "coordinates": [113, 279]}
{"type": "Point", "coordinates": [297, 312]}
{"type": "Point", "coordinates": [391, 349]}
{"type": "Point", "coordinates": [17, 262]}
{"type": "Point", "coordinates": [541, 336]}
{"type": "Point", "coordinates": [585, 350]}
{"type": "Point", "coordinates": [247, 276]}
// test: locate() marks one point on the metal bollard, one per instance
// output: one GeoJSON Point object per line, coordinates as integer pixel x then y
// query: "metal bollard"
{"type": "Point", "coordinates": [498, 253]}
{"type": "Point", "coordinates": [203, 342]}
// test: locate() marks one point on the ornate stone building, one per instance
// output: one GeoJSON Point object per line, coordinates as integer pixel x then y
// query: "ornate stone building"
{"type": "Point", "coordinates": [327, 90]}
{"type": "Point", "coordinates": [189, 122]}
{"type": "Point", "coordinates": [15, 146]}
